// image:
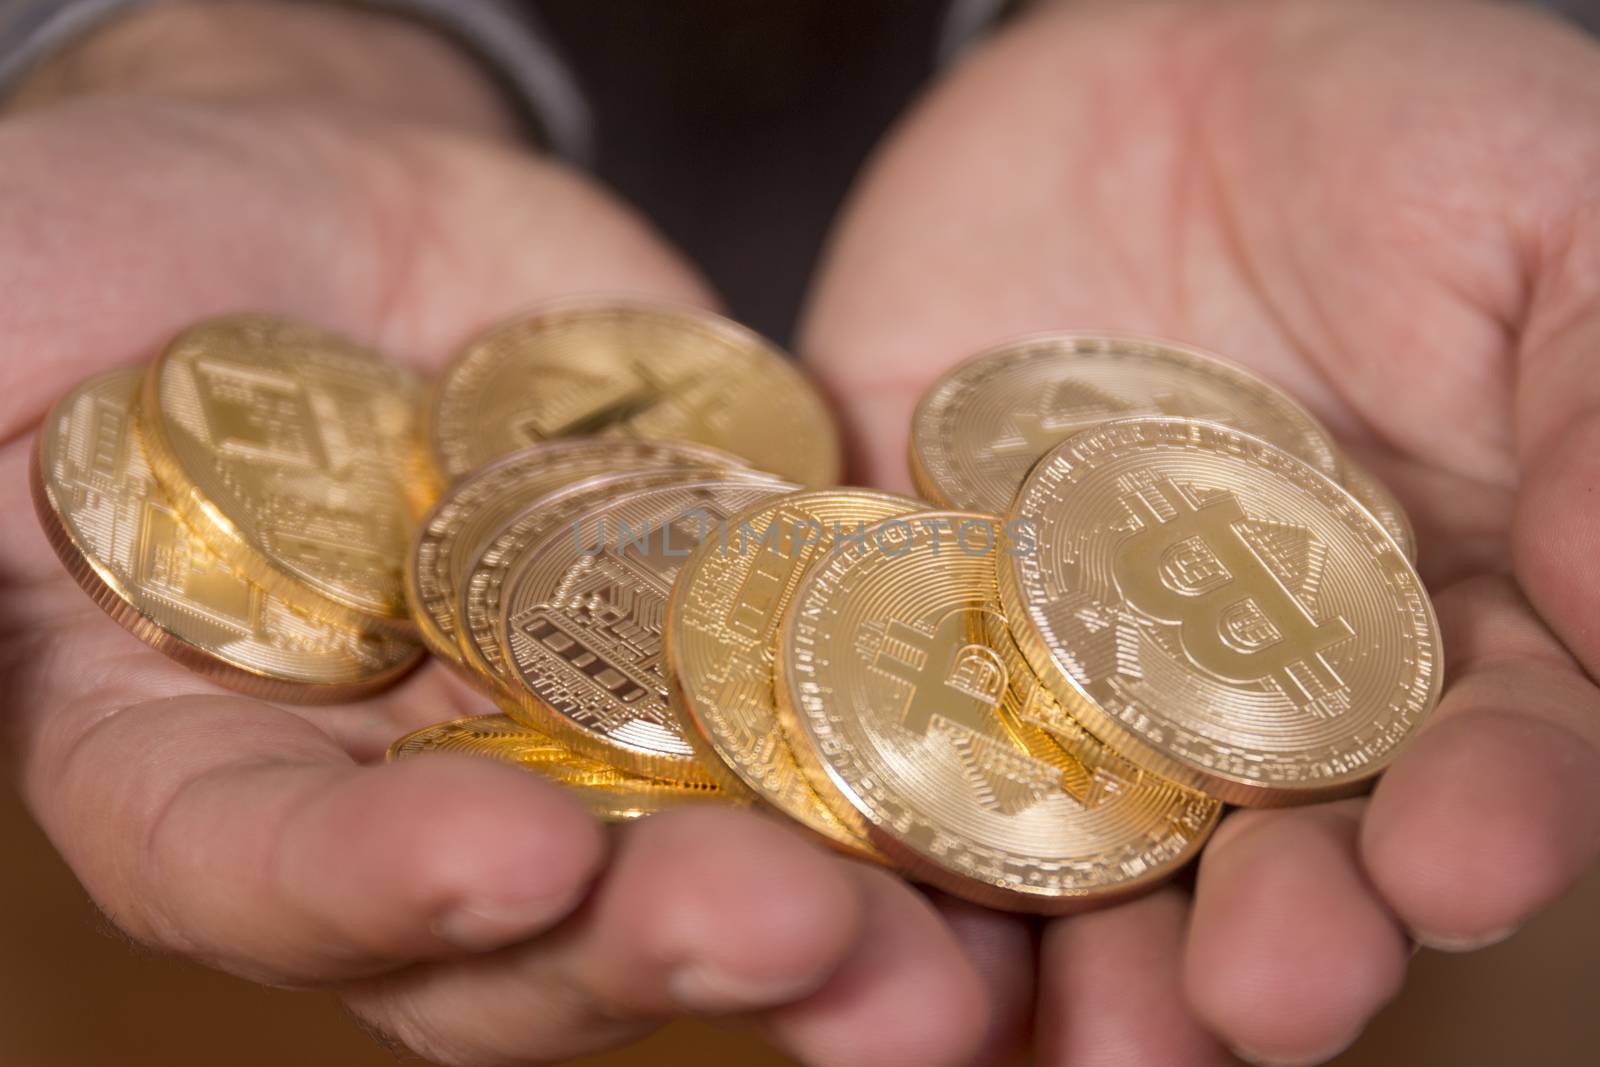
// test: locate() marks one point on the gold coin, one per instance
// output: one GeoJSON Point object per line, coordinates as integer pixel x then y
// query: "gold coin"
{"type": "Point", "coordinates": [609, 794]}
{"type": "Point", "coordinates": [721, 638]}
{"type": "Point", "coordinates": [490, 736]}
{"type": "Point", "coordinates": [286, 447]}
{"type": "Point", "coordinates": [637, 370]}
{"type": "Point", "coordinates": [453, 533]}
{"type": "Point", "coordinates": [892, 697]}
{"type": "Point", "coordinates": [582, 618]}
{"type": "Point", "coordinates": [123, 542]}
{"type": "Point", "coordinates": [981, 427]}
{"type": "Point", "coordinates": [1219, 612]}
{"type": "Point", "coordinates": [1376, 498]}
{"type": "Point", "coordinates": [478, 602]}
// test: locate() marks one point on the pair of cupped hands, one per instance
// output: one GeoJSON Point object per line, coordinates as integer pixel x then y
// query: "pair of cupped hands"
{"type": "Point", "coordinates": [1391, 210]}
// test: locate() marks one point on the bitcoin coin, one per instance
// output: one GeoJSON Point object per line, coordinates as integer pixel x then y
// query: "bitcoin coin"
{"type": "Point", "coordinates": [285, 447]}
{"type": "Point", "coordinates": [721, 636]}
{"type": "Point", "coordinates": [608, 793]}
{"type": "Point", "coordinates": [581, 620]}
{"type": "Point", "coordinates": [892, 696]}
{"type": "Point", "coordinates": [122, 541]}
{"type": "Point", "coordinates": [1376, 498]}
{"type": "Point", "coordinates": [478, 602]}
{"type": "Point", "coordinates": [979, 429]}
{"type": "Point", "coordinates": [636, 370]}
{"type": "Point", "coordinates": [1218, 611]}
{"type": "Point", "coordinates": [453, 533]}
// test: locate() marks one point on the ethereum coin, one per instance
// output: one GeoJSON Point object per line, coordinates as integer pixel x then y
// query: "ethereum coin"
{"type": "Point", "coordinates": [123, 541]}
{"type": "Point", "coordinates": [636, 370]}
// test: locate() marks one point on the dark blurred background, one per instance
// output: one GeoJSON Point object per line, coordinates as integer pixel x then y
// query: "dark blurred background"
{"type": "Point", "coordinates": [737, 127]}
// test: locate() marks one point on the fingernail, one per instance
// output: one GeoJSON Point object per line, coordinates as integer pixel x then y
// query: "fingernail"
{"type": "Point", "coordinates": [702, 988]}
{"type": "Point", "coordinates": [483, 926]}
{"type": "Point", "coordinates": [1449, 943]}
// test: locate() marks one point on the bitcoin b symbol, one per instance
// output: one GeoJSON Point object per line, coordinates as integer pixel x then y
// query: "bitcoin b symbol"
{"type": "Point", "coordinates": [1235, 617]}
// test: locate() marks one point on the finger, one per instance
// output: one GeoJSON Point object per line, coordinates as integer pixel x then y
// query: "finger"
{"type": "Point", "coordinates": [408, 238]}
{"type": "Point", "coordinates": [1111, 991]}
{"type": "Point", "coordinates": [228, 830]}
{"type": "Point", "coordinates": [1494, 811]}
{"type": "Point", "coordinates": [1290, 949]}
{"type": "Point", "coordinates": [714, 913]}
{"type": "Point", "coordinates": [1557, 527]}
{"type": "Point", "coordinates": [1003, 949]}
{"type": "Point", "coordinates": [907, 996]}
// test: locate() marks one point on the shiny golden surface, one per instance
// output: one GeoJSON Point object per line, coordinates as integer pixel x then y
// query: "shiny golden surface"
{"type": "Point", "coordinates": [893, 695]}
{"type": "Point", "coordinates": [453, 534]}
{"type": "Point", "coordinates": [478, 601]}
{"type": "Point", "coordinates": [721, 637]}
{"type": "Point", "coordinates": [582, 616]}
{"type": "Point", "coordinates": [286, 448]}
{"type": "Point", "coordinates": [1376, 498]}
{"type": "Point", "coordinates": [979, 429]}
{"type": "Point", "coordinates": [121, 539]}
{"type": "Point", "coordinates": [636, 370]}
{"type": "Point", "coordinates": [1220, 612]}
{"type": "Point", "coordinates": [608, 793]}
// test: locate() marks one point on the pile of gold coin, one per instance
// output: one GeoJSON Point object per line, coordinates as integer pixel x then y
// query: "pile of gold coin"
{"type": "Point", "coordinates": [1142, 583]}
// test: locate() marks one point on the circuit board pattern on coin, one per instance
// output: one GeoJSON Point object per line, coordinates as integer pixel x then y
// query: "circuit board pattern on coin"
{"type": "Point", "coordinates": [583, 617]}
{"type": "Point", "coordinates": [453, 533]}
{"type": "Point", "coordinates": [124, 542]}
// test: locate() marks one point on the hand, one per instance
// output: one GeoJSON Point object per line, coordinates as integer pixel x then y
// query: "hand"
{"type": "Point", "coordinates": [475, 913]}
{"type": "Point", "coordinates": [1392, 211]}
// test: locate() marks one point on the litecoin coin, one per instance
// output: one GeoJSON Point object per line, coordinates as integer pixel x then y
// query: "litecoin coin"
{"type": "Point", "coordinates": [894, 696]}
{"type": "Point", "coordinates": [1218, 611]}
{"type": "Point", "coordinates": [286, 448]}
{"type": "Point", "coordinates": [582, 621]}
{"type": "Point", "coordinates": [980, 428]}
{"type": "Point", "coordinates": [124, 543]}
{"type": "Point", "coordinates": [636, 370]}
{"type": "Point", "coordinates": [721, 636]}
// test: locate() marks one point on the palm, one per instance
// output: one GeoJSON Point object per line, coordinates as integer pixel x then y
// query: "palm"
{"type": "Point", "coordinates": [1326, 193]}
{"type": "Point", "coordinates": [248, 834]}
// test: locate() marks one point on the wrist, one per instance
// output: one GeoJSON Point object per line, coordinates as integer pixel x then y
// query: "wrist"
{"type": "Point", "coordinates": [259, 49]}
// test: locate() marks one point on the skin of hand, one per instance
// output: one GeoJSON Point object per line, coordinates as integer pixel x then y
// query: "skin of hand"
{"type": "Point", "coordinates": [1392, 211]}
{"type": "Point", "coordinates": [474, 913]}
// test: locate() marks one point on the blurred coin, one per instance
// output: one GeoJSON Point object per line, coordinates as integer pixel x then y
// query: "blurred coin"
{"type": "Point", "coordinates": [609, 794]}
{"type": "Point", "coordinates": [1219, 612]}
{"type": "Point", "coordinates": [122, 540]}
{"type": "Point", "coordinates": [1376, 498]}
{"type": "Point", "coordinates": [452, 534]}
{"type": "Point", "coordinates": [582, 617]}
{"type": "Point", "coordinates": [721, 636]}
{"type": "Point", "coordinates": [636, 370]}
{"type": "Point", "coordinates": [892, 696]}
{"type": "Point", "coordinates": [979, 428]}
{"type": "Point", "coordinates": [286, 448]}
